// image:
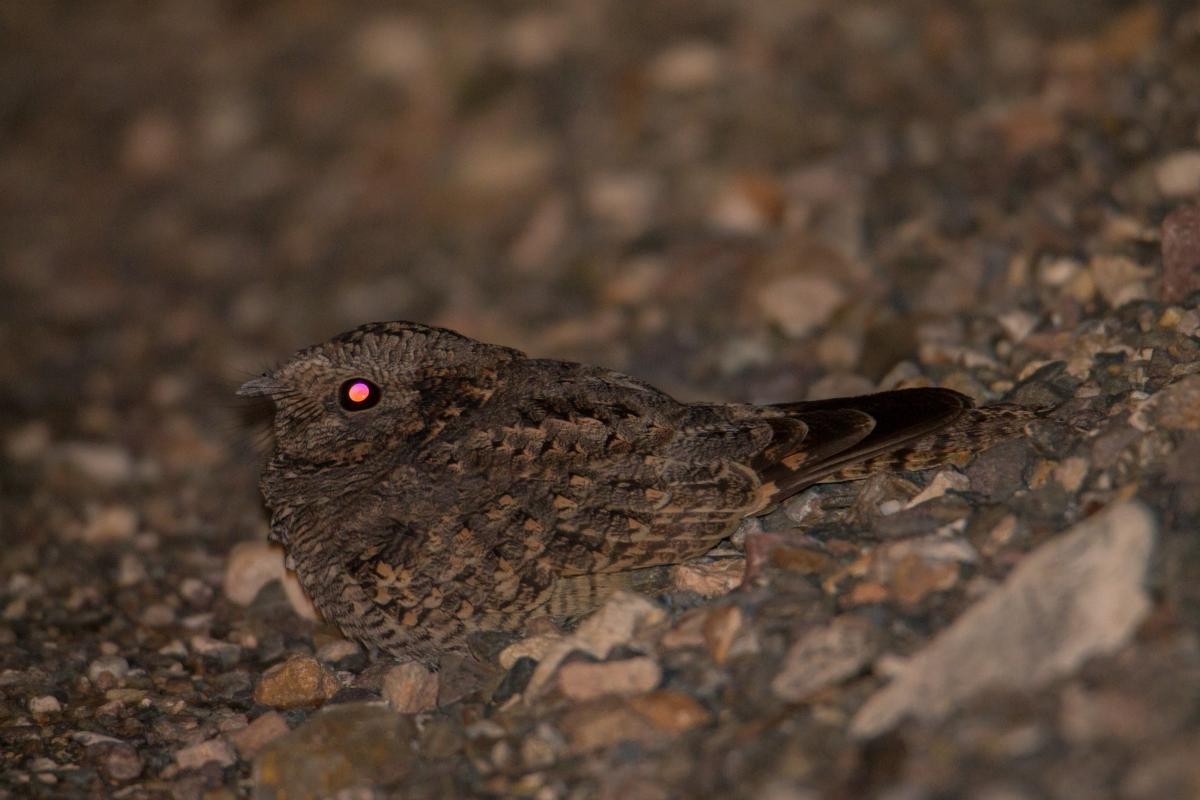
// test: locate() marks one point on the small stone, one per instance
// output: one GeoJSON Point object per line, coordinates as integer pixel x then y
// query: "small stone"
{"type": "Point", "coordinates": [749, 204]}
{"type": "Point", "coordinates": [913, 578]}
{"type": "Point", "coordinates": [1177, 406]}
{"type": "Point", "coordinates": [1120, 279]}
{"type": "Point", "coordinates": [198, 755]}
{"type": "Point", "coordinates": [623, 201]}
{"type": "Point", "coordinates": [670, 711]}
{"type": "Point", "coordinates": [798, 304]}
{"type": "Point", "coordinates": [115, 666]}
{"type": "Point", "coordinates": [1071, 473]}
{"type": "Point", "coordinates": [198, 593]}
{"type": "Point", "coordinates": [28, 443]}
{"type": "Point", "coordinates": [251, 566]}
{"type": "Point", "coordinates": [721, 627]}
{"type": "Point", "coordinates": [103, 463]}
{"type": "Point", "coordinates": [130, 570]}
{"type": "Point", "coordinates": [299, 682]}
{"type": "Point", "coordinates": [582, 680]}
{"type": "Point", "coordinates": [1178, 174]}
{"type": "Point", "coordinates": [709, 579]}
{"type": "Point", "coordinates": [110, 524]}
{"type": "Point", "coordinates": [337, 749]}
{"type": "Point", "coordinates": [157, 615]}
{"type": "Point", "coordinates": [1180, 254]}
{"type": "Point", "coordinates": [298, 599]}
{"type": "Point", "coordinates": [395, 48]}
{"type": "Point", "coordinates": [410, 688]}
{"type": "Point", "coordinates": [599, 725]}
{"type": "Point", "coordinates": [944, 481]}
{"type": "Point", "coordinates": [265, 729]}
{"type": "Point", "coordinates": [225, 652]}
{"type": "Point", "coordinates": [1079, 595]}
{"type": "Point", "coordinates": [45, 704]}
{"type": "Point", "coordinates": [337, 650]}
{"type": "Point", "coordinates": [688, 66]}
{"type": "Point", "coordinates": [824, 657]}
{"type": "Point", "coordinates": [620, 620]}
{"type": "Point", "coordinates": [119, 761]}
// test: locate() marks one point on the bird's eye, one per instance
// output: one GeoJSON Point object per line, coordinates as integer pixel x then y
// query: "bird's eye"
{"type": "Point", "coordinates": [357, 394]}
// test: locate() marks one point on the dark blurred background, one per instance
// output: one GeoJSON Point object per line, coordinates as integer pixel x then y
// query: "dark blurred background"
{"type": "Point", "coordinates": [687, 190]}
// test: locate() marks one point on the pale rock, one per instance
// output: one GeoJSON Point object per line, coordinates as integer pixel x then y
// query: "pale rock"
{"type": "Point", "coordinates": [265, 729]}
{"type": "Point", "coordinates": [1120, 279]}
{"type": "Point", "coordinates": [798, 304]}
{"type": "Point", "coordinates": [1178, 174]}
{"type": "Point", "coordinates": [622, 618]}
{"type": "Point", "coordinates": [721, 627]}
{"type": "Point", "coordinates": [670, 711]}
{"type": "Point", "coordinates": [583, 680]}
{"type": "Point", "coordinates": [251, 566]}
{"type": "Point", "coordinates": [410, 688]}
{"type": "Point", "coordinates": [113, 523]}
{"type": "Point", "coordinates": [1077, 596]}
{"type": "Point", "coordinates": [394, 48]}
{"type": "Point", "coordinates": [198, 755]}
{"type": "Point", "coordinates": [824, 657]}
{"type": "Point", "coordinates": [944, 481]}
{"type": "Point", "coordinates": [116, 666]}
{"type": "Point", "coordinates": [709, 578]}
{"type": "Point", "coordinates": [688, 66]}
{"type": "Point", "coordinates": [624, 201]}
{"type": "Point", "coordinates": [28, 443]}
{"type": "Point", "coordinates": [104, 463]}
{"type": "Point", "coordinates": [45, 704]}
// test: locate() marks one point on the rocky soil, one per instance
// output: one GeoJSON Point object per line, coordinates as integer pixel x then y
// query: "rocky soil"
{"type": "Point", "coordinates": [742, 200]}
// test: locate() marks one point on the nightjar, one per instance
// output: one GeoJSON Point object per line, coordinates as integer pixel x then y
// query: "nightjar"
{"type": "Point", "coordinates": [426, 486]}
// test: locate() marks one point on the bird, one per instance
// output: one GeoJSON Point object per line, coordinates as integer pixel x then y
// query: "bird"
{"type": "Point", "coordinates": [427, 487]}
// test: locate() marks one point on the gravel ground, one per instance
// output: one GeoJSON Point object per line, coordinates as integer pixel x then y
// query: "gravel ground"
{"type": "Point", "coordinates": [740, 200]}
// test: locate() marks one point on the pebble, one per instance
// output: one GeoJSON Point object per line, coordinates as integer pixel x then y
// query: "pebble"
{"type": "Point", "coordinates": [157, 615]}
{"type": "Point", "coordinates": [113, 523]}
{"type": "Point", "coordinates": [265, 729]}
{"type": "Point", "coordinates": [410, 688]}
{"type": "Point", "coordinates": [618, 622]}
{"type": "Point", "coordinates": [249, 567]}
{"type": "Point", "coordinates": [339, 748]}
{"type": "Point", "coordinates": [721, 627]}
{"type": "Point", "coordinates": [28, 443]}
{"type": "Point", "coordinates": [709, 578]}
{"type": "Point", "coordinates": [119, 761]}
{"type": "Point", "coordinates": [197, 755]}
{"type": "Point", "coordinates": [44, 704]}
{"type": "Point", "coordinates": [299, 682]}
{"type": "Point", "coordinates": [799, 304]}
{"type": "Point", "coordinates": [604, 724]}
{"type": "Point", "coordinates": [1177, 407]}
{"type": "Point", "coordinates": [824, 657]}
{"type": "Point", "coordinates": [670, 711]}
{"type": "Point", "coordinates": [1180, 254]}
{"type": "Point", "coordinates": [225, 652]}
{"type": "Point", "coordinates": [1178, 174]}
{"type": "Point", "coordinates": [582, 680]}
{"type": "Point", "coordinates": [115, 666]}
{"type": "Point", "coordinates": [104, 463]}
{"type": "Point", "coordinates": [687, 66]}
{"type": "Point", "coordinates": [1120, 280]}
{"type": "Point", "coordinates": [1079, 595]}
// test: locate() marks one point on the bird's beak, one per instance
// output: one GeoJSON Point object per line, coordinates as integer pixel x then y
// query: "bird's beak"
{"type": "Point", "coordinates": [262, 386]}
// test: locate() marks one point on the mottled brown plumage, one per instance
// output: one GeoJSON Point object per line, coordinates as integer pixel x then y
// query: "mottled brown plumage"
{"type": "Point", "coordinates": [474, 487]}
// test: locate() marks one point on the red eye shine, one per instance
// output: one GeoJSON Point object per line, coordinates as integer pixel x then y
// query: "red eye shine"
{"type": "Point", "coordinates": [357, 394]}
